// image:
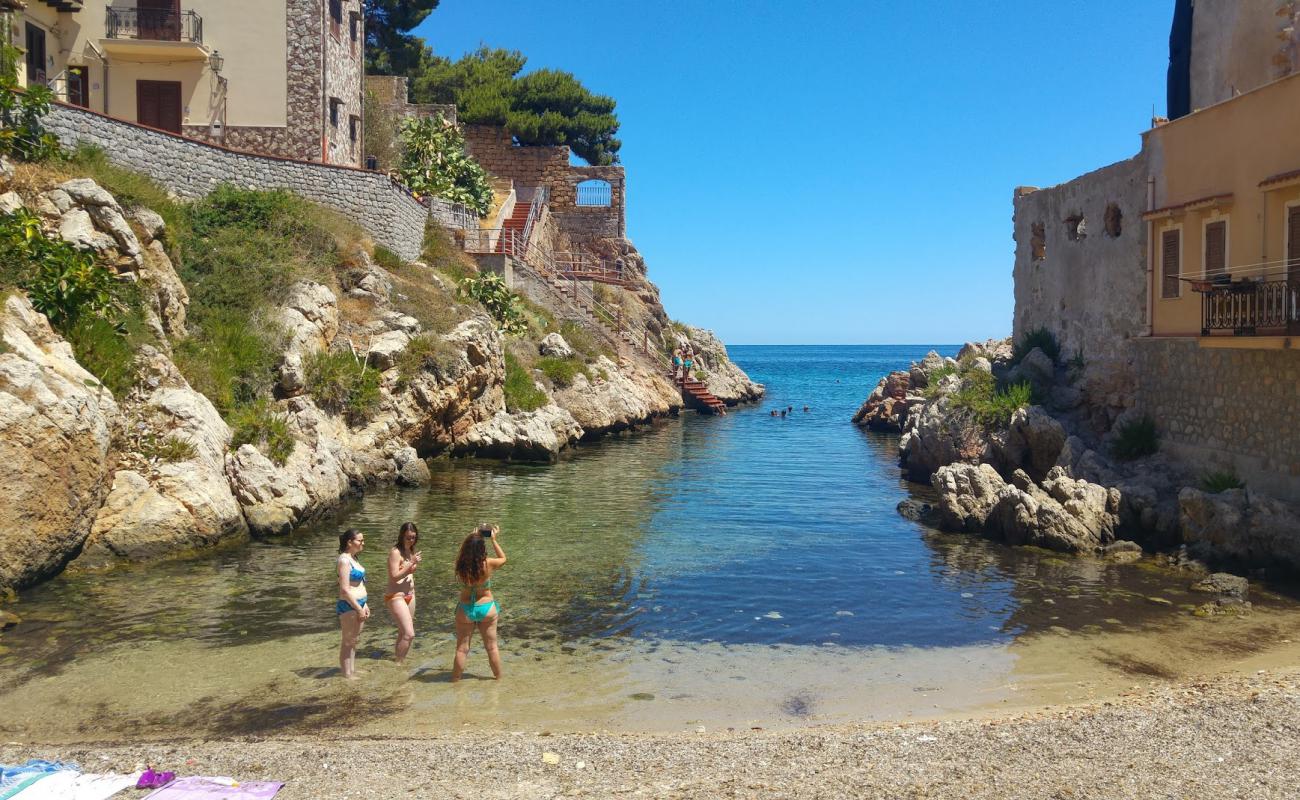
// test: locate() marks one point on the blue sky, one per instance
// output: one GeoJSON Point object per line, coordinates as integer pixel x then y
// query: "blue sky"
{"type": "Point", "coordinates": [841, 172]}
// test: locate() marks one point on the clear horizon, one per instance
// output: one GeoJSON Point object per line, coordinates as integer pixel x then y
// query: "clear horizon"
{"type": "Point", "coordinates": [878, 144]}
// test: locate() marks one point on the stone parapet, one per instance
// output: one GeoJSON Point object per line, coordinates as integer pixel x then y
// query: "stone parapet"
{"type": "Point", "coordinates": [191, 168]}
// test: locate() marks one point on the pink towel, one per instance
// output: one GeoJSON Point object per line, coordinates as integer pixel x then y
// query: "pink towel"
{"type": "Point", "coordinates": [215, 789]}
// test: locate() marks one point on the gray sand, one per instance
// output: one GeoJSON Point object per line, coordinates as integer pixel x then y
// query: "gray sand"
{"type": "Point", "coordinates": [1227, 736]}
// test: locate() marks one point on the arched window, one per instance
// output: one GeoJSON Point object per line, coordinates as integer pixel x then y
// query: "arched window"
{"type": "Point", "coordinates": [594, 193]}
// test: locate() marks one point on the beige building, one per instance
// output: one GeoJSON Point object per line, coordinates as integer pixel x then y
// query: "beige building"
{"type": "Point", "coordinates": [281, 77]}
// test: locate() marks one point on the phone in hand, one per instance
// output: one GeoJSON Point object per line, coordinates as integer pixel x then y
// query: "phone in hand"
{"type": "Point", "coordinates": [486, 533]}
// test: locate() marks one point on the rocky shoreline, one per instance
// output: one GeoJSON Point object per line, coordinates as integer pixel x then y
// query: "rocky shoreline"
{"type": "Point", "coordinates": [1019, 451]}
{"type": "Point", "coordinates": [1227, 735]}
{"type": "Point", "coordinates": [95, 479]}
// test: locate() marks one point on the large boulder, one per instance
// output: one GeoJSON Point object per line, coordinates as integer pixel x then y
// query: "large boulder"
{"type": "Point", "coordinates": [1240, 524]}
{"type": "Point", "coordinates": [1033, 442]}
{"type": "Point", "coordinates": [554, 346]}
{"type": "Point", "coordinates": [939, 434]}
{"type": "Point", "coordinates": [968, 494]}
{"type": "Point", "coordinates": [159, 507]}
{"type": "Point", "coordinates": [612, 400]}
{"type": "Point", "coordinates": [56, 428]}
{"type": "Point", "coordinates": [309, 317]}
{"type": "Point", "coordinates": [526, 436]}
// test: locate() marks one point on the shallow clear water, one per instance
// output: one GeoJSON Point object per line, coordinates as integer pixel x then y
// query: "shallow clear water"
{"type": "Point", "coordinates": [708, 535]}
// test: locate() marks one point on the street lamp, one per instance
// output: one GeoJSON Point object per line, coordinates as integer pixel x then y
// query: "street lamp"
{"type": "Point", "coordinates": [216, 61]}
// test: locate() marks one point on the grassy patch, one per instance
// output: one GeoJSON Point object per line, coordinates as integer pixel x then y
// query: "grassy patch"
{"type": "Point", "coordinates": [230, 359]}
{"type": "Point", "coordinates": [991, 406]}
{"type": "Point", "coordinates": [1135, 439]}
{"type": "Point", "coordinates": [343, 384]}
{"type": "Point", "coordinates": [584, 341]}
{"type": "Point", "coordinates": [562, 371]}
{"type": "Point", "coordinates": [1221, 481]}
{"type": "Point", "coordinates": [441, 253]}
{"type": "Point", "coordinates": [259, 425]}
{"type": "Point", "coordinates": [1041, 338]}
{"type": "Point", "coordinates": [426, 354]}
{"type": "Point", "coordinates": [521, 392]}
{"type": "Point", "coordinates": [388, 259]}
{"type": "Point", "coordinates": [106, 351]}
{"type": "Point", "coordinates": [168, 448]}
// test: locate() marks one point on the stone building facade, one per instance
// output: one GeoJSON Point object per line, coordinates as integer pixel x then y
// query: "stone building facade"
{"type": "Point", "coordinates": [1176, 274]}
{"type": "Point", "coordinates": [280, 77]}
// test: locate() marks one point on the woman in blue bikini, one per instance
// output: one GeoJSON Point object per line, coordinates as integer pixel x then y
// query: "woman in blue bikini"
{"type": "Point", "coordinates": [476, 606]}
{"type": "Point", "coordinates": [351, 605]}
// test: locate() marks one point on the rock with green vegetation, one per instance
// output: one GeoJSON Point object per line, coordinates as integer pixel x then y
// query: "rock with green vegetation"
{"type": "Point", "coordinates": [623, 399]}
{"type": "Point", "coordinates": [56, 429]}
{"type": "Point", "coordinates": [177, 502]}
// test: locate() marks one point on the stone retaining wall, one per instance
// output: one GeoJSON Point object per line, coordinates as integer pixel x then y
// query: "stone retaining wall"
{"type": "Point", "coordinates": [1225, 409]}
{"type": "Point", "coordinates": [384, 209]}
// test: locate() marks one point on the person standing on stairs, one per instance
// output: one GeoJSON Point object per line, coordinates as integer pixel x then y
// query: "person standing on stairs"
{"type": "Point", "coordinates": [677, 365]}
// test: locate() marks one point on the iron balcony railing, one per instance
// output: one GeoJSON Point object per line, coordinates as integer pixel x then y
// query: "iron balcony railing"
{"type": "Point", "coordinates": [155, 25]}
{"type": "Point", "coordinates": [1250, 308]}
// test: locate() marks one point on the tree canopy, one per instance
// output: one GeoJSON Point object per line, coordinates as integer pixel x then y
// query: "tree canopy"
{"type": "Point", "coordinates": [390, 47]}
{"type": "Point", "coordinates": [546, 107]}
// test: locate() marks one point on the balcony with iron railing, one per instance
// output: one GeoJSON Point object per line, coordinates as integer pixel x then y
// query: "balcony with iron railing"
{"type": "Point", "coordinates": [1261, 302]}
{"type": "Point", "coordinates": [148, 29]}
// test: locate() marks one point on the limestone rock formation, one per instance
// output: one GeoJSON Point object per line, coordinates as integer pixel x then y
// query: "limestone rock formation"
{"type": "Point", "coordinates": [1240, 524]}
{"type": "Point", "coordinates": [159, 507]}
{"type": "Point", "coordinates": [613, 400]}
{"type": "Point", "coordinates": [724, 379]}
{"type": "Point", "coordinates": [56, 430]}
{"type": "Point", "coordinates": [526, 436]}
{"type": "Point", "coordinates": [554, 346]}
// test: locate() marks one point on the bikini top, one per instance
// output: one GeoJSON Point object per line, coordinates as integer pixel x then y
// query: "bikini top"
{"type": "Point", "coordinates": [476, 590]}
{"type": "Point", "coordinates": [357, 573]}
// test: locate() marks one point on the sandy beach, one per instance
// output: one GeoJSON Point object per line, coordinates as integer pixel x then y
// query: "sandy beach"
{"type": "Point", "coordinates": [1228, 735]}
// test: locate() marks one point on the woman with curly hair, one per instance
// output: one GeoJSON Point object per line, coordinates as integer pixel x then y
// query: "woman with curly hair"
{"type": "Point", "coordinates": [477, 607]}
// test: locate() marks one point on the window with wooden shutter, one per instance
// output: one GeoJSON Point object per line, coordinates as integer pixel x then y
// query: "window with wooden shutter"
{"type": "Point", "coordinates": [1170, 250]}
{"type": "Point", "coordinates": [1293, 244]}
{"type": "Point", "coordinates": [1216, 248]}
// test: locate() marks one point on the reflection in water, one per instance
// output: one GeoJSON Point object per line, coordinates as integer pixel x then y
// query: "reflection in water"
{"type": "Point", "coordinates": [693, 568]}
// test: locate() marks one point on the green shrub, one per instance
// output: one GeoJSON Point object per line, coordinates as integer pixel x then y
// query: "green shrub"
{"type": "Point", "coordinates": [562, 371]}
{"type": "Point", "coordinates": [503, 305]}
{"type": "Point", "coordinates": [259, 425]}
{"type": "Point", "coordinates": [342, 383]}
{"type": "Point", "coordinates": [440, 252]}
{"type": "Point", "coordinates": [582, 341]}
{"type": "Point", "coordinates": [1221, 481]}
{"type": "Point", "coordinates": [426, 353]}
{"type": "Point", "coordinates": [106, 352]}
{"type": "Point", "coordinates": [22, 134]}
{"type": "Point", "coordinates": [434, 162]}
{"type": "Point", "coordinates": [1041, 338]}
{"type": "Point", "coordinates": [168, 449]}
{"type": "Point", "coordinates": [230, 359]}
{"type": "Point", "coordinates": [62, 282]}
{"type": "Point", "coordinates": [990, 405]}
{"type": "Point", "coordinates": [1135, 439]}
{"type": "Point", "coordinates": [931, 389]}
{"type": "Point", "coordinates": [521, 392]}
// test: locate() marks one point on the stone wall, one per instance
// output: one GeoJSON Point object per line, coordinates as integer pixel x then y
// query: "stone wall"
{"type": "Point", "coordinates": [1080, 271]}
{"type": "Point", "coordinates": [344, 61]}
{"type": "Point", "coordinates": [392, 93]}
{"type": "Point", "coordinates": [386, 210]}
{"type": "Point", "coordinates": [533, 165]}
{"type": "Point", "coordinates": [1225, 409]}
{"type": "Point", "coordinates": [1239, 45]}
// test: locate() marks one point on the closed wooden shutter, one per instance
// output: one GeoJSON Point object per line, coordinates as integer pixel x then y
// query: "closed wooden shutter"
{"type": "Point", "coordinates": [1170, 249]}
{"type": "Point", "coordinates": [158, 104]}
{"type": "Point", "coordinates": [1293, 244]}
{"type": "Point", "coordinates": [1216, 248]}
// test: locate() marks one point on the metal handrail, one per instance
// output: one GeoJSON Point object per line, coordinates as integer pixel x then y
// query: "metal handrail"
{"type": "Point", "coordinates": [1246, 307]}
{"type": "Point", "coordinates": [156, 25]}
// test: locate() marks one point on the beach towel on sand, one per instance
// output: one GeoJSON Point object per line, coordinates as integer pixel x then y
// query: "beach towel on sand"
{"type": "Point", "coordinates": [215, 789]}
{"type": "Point", "coordinates": [69, 785]}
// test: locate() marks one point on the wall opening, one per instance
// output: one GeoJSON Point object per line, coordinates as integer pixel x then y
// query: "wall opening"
{"type": "Point", "coordinates": [1038, 241]}
{"type": "Point", "coordinates": [1076, 228]}
{"type": "Point", "coordinates": [594, 193]}
{"type": "Point", "coordinates": [1113, 220]}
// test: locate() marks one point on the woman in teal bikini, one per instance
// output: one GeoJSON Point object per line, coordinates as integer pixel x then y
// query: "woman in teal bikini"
{"type": "Point", "coordinates": [476, 606]}
{"type": "Point", "coordinates": [351, 605]}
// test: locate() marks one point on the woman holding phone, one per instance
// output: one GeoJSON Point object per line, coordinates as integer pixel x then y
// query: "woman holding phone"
{"type": "Point", "coordinates": [399, 597]}
{"type": "Point", "coordinates": [477, 607]}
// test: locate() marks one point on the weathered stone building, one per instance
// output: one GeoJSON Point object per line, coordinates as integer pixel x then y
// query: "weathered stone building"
{"type": "Point", "coordinates": [1175, 275]}
{"type": "Point", "coordinates": [280, 77]}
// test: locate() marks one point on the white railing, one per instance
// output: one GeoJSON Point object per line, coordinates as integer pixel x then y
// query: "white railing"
{"type": "Point", "coordinates": [452, 215]}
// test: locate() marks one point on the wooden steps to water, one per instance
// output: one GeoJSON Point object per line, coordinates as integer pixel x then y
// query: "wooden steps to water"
{"type": "Point", "coordinates": [698, 392]}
